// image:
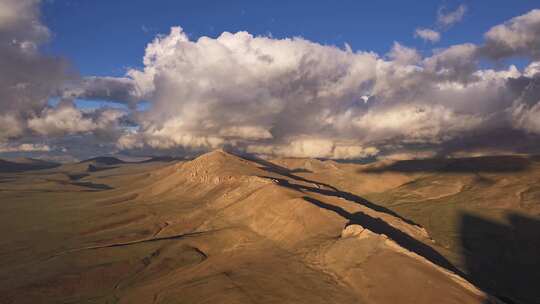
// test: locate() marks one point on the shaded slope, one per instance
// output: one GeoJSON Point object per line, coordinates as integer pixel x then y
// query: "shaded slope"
{"type": "Point", "coordinates": [493, 164]}
{"type": "Point", "coordinates": [504, 256]}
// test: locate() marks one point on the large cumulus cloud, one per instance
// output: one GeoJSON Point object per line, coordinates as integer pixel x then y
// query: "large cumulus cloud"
{"type": "Point", "coordinates": [294, 97]}
{"type": "Point", "coordinates": [243, 90]}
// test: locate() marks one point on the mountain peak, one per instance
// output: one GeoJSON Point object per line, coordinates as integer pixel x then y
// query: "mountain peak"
{"type": "Point", "coordinates": [218, 166]}
{"type": "Point", "coordinates": [218, 155]}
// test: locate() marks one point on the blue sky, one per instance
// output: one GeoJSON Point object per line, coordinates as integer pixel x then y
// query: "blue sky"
{"type": "Point", "coordinates": [104, 38]}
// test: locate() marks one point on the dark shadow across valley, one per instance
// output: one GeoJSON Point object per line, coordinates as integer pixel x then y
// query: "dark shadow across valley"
{"type": "Point", "coordinates": [503, 259]}
{"type": "Point", "coordinates": [92, 186]}
{"type": "Point", "coordinates": [494, 164]}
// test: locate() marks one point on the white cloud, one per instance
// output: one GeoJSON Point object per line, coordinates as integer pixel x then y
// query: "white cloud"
{"type": "Point", "coordinates": [427, 35]}
{"type": "Point", "coordinates": [520, 36]}
{"type": "Point", "coordinates": [404, 55]}
{"type": "Point", "coordinates": [532, 69]}
{"type": "Point", "coordinates": [447, 19]}
{"type": "Point", "coordinates": [10, 127]}
{"type": "Point", "coordinates": [59, 121]}
{"type": "Point", "coordinates": [246, 132]}
{"type": "Point", "coordinates": [314, 147]}
{"type": "Point", "coordinates": [526, 108]}
{"type": "Point", "coordinates": [113, 89]}
{"type": "Point", "coordinates": [455, 63]}
{"type": "Point", "coordinates": [527, 118]}
{"type": "Point", "coordinates": [353, 152]}
{"type": "Point", "coordinates": [242, 88]}
{"type": "Point", "coordinates": [27, 78]}
{"type": "Point", "coordinates": [421, 123]}
{"type": "Point", "coordinates": [26, 147]}
{"type": "Point", "coordinates": [67, 119]}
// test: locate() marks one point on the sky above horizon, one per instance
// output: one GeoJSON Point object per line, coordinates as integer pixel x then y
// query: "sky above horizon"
{"type": "Point", "coordinates": [345, 80]}
{"type": "Point", "coordinates": [106, 38]}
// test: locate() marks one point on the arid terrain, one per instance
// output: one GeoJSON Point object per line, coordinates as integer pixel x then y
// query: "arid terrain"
{"type": "Point", "coordinates": [269, 152]}
{"type": "Point", "coordinates": [228, 229]}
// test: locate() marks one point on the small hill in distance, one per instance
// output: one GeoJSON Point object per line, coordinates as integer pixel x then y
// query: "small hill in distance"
{"type": "Point", "coordinates": [25, 164]}
{"type": "Point", "coordinates": [103, 160]}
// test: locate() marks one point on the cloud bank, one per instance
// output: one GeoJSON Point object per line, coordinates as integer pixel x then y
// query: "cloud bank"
{"type": "Point", "coordinates": [286, 97]}
{"type": "Point", "coordinates": [28, 147]}
{"type": "Point", "coordinates": [29, 79]}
